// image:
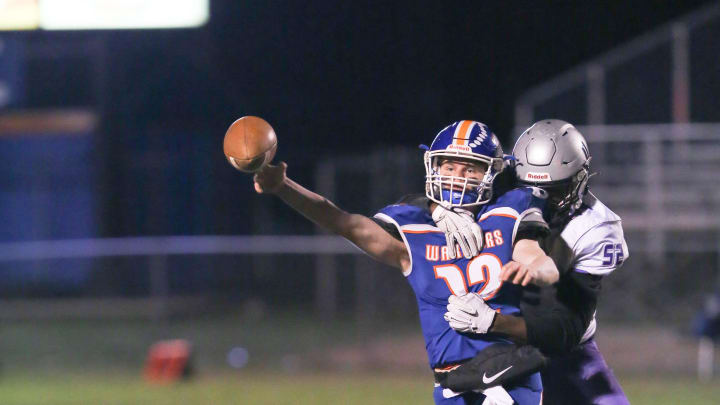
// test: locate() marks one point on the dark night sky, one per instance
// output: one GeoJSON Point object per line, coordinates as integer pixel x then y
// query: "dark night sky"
{"type": "Point", "coordinates": [352, 74]}
{"type": "Point", "coordinates": [399, 71]}
{"type": "Point", "coordinates": [330, 76]}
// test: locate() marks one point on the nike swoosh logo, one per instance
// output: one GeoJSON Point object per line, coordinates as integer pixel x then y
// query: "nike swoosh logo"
{"type": "Point", "coordinates": [488, 380]}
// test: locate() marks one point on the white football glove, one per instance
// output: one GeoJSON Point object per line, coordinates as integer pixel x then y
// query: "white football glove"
{"type": "Point", "coordinates": [469, 313]}
{"type": "Point", "coordinates": [460, 228]}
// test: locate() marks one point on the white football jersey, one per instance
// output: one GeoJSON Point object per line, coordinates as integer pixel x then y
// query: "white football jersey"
{"type": "Point", "coordinates": [591, 242]}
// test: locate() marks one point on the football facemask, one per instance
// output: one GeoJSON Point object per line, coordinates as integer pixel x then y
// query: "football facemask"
{"type": "Point", "coordinates": [565, 197]}
{"type": "Point", "coordinates": [464, 141]}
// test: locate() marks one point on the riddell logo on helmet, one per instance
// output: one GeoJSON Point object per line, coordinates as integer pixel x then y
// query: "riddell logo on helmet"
{"type": "Point", "coordinates": [463, 148]}
{"type": "Point", "coordinates": [537, 176]}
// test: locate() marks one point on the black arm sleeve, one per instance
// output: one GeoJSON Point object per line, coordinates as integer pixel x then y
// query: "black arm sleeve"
{"type": "Point", "coordinates": [507, 362]}
{"type": "Point", "coordinates": [532, 230]}
{"type": "Point", "coordinates": [557, 316]}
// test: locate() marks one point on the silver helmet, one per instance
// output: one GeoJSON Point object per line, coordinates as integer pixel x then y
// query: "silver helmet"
{"type": "Point", "coordinates": [553, 155]}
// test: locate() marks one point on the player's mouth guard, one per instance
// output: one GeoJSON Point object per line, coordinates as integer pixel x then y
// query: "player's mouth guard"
{"type": "Point", "coordinates": [455, 190]}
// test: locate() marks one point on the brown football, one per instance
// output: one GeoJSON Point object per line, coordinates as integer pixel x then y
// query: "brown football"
{"type": "Point", "coordinates": [250, 143]}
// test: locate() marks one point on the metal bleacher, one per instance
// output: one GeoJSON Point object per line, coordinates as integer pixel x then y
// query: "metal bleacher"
{"type": "Point", "coordinates": [650, 114]}
{"type": "Point", "coordinates": [654, 179]}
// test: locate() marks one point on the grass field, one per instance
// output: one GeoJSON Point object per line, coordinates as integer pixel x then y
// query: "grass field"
{"type": "Point", "coordinates": [311, 389]}
{"type": "Point", "coordinates": [292, 361]}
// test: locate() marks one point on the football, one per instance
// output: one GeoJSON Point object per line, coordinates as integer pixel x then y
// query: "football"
{"type": "Point", "coordinates": [250, 143]}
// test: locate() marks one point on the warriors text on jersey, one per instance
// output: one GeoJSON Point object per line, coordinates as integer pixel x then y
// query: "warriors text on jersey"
{"type": "Point", "coordinates": [433, 276]}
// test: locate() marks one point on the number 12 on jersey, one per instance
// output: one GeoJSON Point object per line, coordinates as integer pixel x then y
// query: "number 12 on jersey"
{"type": "Point", "coordinates": [483, 269]}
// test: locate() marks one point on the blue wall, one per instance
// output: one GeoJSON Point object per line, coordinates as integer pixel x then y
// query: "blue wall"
{"type": "Point", "coordinates": [11, 72]}
{"type": "Point", "coordinates": [47, 191]}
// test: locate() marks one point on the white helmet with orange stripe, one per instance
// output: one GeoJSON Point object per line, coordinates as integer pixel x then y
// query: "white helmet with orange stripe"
{"type": "Point", "coordinates": [464, 141]}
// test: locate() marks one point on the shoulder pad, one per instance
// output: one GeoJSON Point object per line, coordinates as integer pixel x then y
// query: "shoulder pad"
{"type": "Point", "coordinates": [522, 198]}
{"type": "Point", "coordinates": [416, 200]}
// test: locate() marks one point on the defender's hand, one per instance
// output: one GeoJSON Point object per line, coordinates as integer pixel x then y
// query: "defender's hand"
{"type": "Point", "coordinates": [270, 178]}
{"type": "Point", "coordinates": [460, 228]}
{"type": "Point", "coordinates": [469, 313]}
{"type": "Point", "coordinates": [518, 273]}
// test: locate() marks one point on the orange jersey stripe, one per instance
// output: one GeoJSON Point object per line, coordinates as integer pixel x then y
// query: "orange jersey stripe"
{"type": "Point", "coordinates": [499, 215]}
{"type": "Point", "coordinates": [405, 231]}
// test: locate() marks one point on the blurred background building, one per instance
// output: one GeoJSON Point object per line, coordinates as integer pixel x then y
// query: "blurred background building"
{"type": "Point", "coordinates": [116, 201]}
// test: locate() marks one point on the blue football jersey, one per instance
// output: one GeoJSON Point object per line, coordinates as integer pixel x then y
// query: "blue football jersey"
{"type": "Point", "coordinates": [434, 276]}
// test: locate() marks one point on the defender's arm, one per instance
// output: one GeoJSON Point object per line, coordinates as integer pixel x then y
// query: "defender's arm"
{"type": "Point", "coordinates": [558, 320]}
{"type": "Point", "coordinates": [555, 328]}
{"type": "Point", "coordinates": [530, 265]}
{"type": "Point", "coordinates": [358, 229]}
{"type": "Point", "coordinates": [549, 324]}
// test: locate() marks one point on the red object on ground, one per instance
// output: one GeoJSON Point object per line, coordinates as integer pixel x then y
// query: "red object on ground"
{"type": "Point", "coordinates": [168, 361]}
